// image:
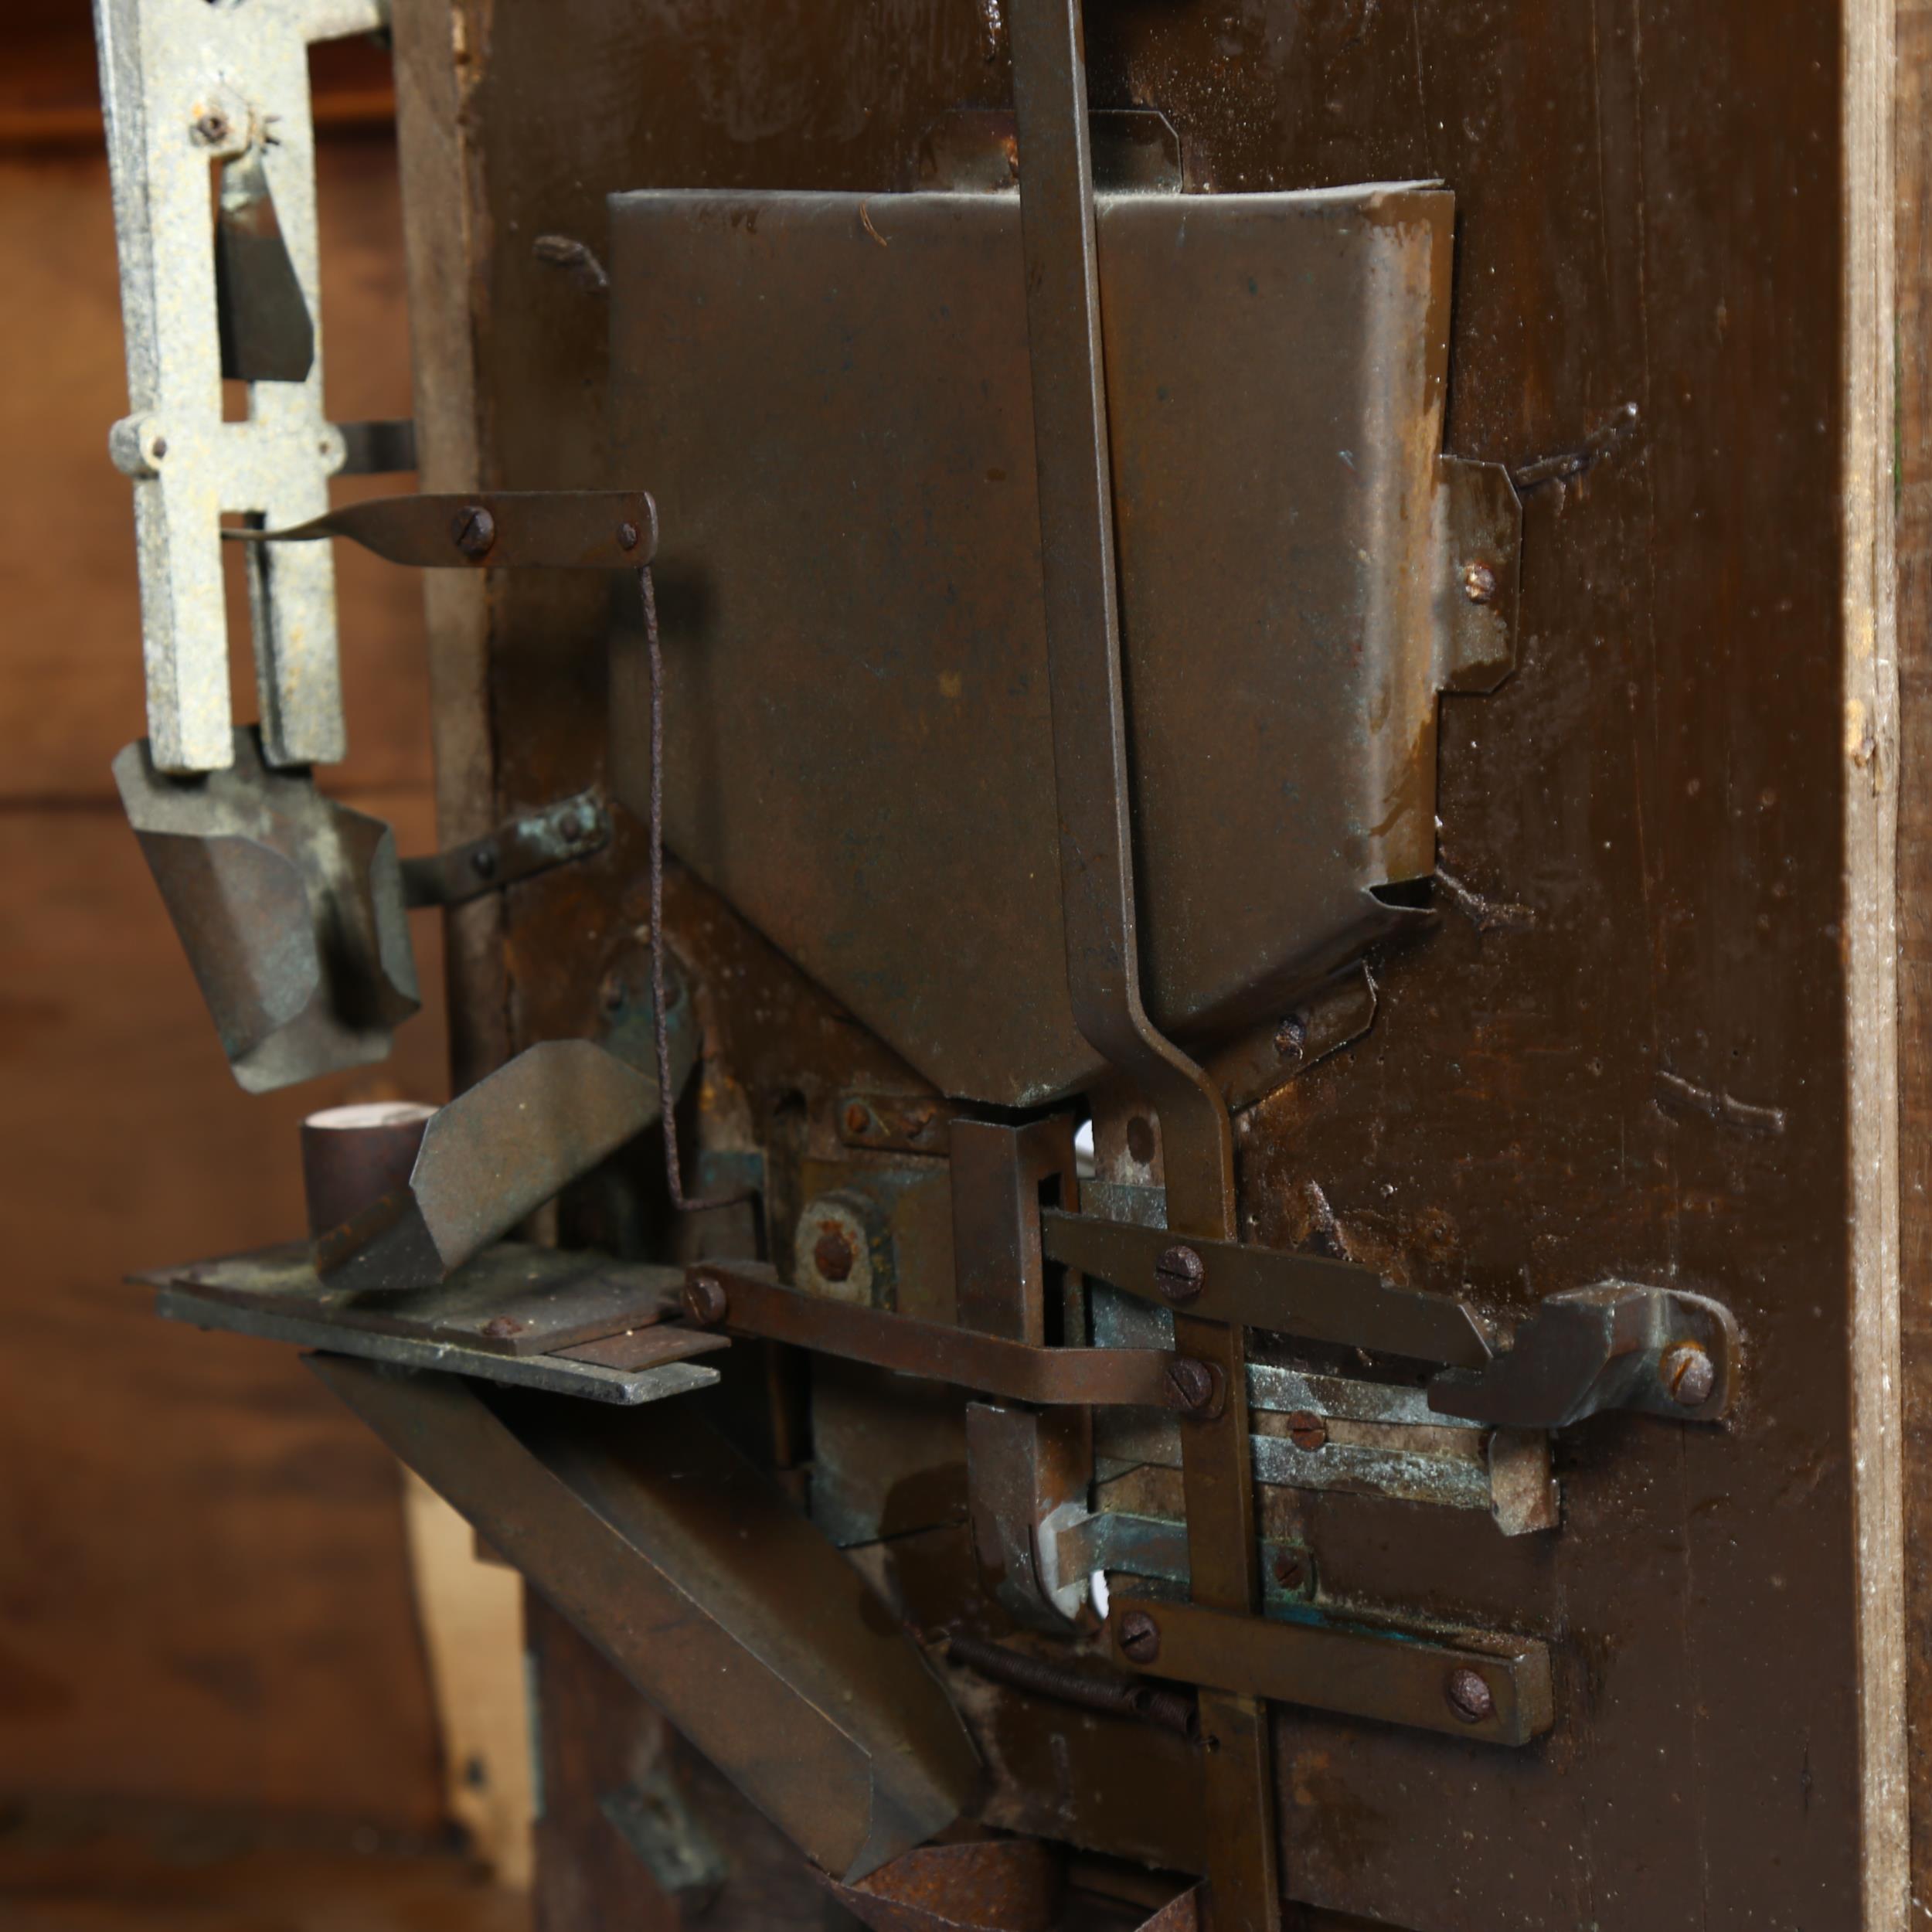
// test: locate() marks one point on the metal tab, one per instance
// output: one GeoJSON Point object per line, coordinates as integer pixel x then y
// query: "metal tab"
{"type": "Point", "coordinates": [518, 849]}
{"type": "Point", "coordinates": [1617, 1345]}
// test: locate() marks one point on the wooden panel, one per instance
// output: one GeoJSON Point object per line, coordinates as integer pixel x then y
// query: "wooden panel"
{"type": "Point", "coordinates": [1680, 798]}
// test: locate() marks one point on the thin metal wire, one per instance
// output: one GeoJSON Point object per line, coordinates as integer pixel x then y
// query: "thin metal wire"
{"type": "Point", "coordinates": [660, 1022]}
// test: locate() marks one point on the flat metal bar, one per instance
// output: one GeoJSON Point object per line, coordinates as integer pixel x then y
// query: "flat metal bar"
{"type": "Point", "coordinates": [518, 849]}
{"type": "Point", "coordinates": [555, 1375]}
{"type": "Point", "coordinates": [694, 1574]}
{"type": "Point", "coordinates": [1083, 621]}
{"type": "Point", "coordinates": [1301, 1294]}
{"type": "Point", "coordinates": [994, 1365]}
{"type": "Point", "coordinates": [1491, 1689]}
{"type": "Point", "coordinates": [1073, 463]}
{"type": "Point", "coordinates": [492, 529]}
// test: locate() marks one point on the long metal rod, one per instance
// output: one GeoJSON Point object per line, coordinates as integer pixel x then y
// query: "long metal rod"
{"type": "Point", "coordinates": [660, 1019]}
{"type": "Point", "coordinates": [1071, 457]}
{"type": "Point", "coordinates": [1082, 619]}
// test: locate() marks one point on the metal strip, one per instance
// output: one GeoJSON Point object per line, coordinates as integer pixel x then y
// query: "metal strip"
{"type": "Point", "coordinates": [1493, 1690]}
{"type": "Point", "coordinates": [1072, 460]}
{"type": "Point", "coordinates": [1302, 1294]}
{"type": "Point", "coordinates": [732, 1298]}
{"type": "Point", "coordinates": [518, 849]}
{"type": "Point", "coordinates": [490, 529]}
{"type": "Point", "coordinates": [554, 1375]}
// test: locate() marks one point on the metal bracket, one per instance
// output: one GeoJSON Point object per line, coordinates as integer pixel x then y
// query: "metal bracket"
{"type": "Point", "coordinates": [1663, 1351]}
{"type": "Point", "coordinates": [519, 848]}
{"type": "Point", "coordinates": [184, 87]}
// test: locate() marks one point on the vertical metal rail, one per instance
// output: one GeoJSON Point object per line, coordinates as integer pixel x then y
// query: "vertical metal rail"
{"type": "Point", "coordinates": [1096, 889]}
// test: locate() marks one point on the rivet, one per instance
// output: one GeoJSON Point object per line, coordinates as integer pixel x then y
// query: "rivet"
{"type": "Point", "coordinates": [1469, 1697]}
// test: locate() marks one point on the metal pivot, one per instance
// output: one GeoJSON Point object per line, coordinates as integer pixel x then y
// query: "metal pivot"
{"type": "Point", "coordinates": [1096, 888]}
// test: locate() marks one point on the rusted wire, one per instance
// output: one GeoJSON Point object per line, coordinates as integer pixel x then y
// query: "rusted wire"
{"type": "Point", "coordinates": [660, 1022]}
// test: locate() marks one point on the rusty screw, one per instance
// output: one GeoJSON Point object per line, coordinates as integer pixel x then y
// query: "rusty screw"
{"type": "Point", "coordinates": [705, 1302]}
{"type": "Point", "coordinates": [211, 129]}
{"type": "Point", "coordinates": [1306, 1429]}
{"type": "Point", "coordinates": [1139, 1637]}
{"type": "Point", "coordinates": [1289, 1572]}
{"type": "Point", "coordinates": [831, 1254]}
{"type": "Point", "coordinates": [627, 536]}
{"type": "Point", "coordinates": [857, 1118]}
{"type": "Point", "coordinates": [473, 529]}
{"type": "Point", "coordinates": [1479, 583]}
{"type": "Point", "coordinates": [1193, 1388]}
{"type": "Point", "coordinates": [1469, 1696]}
{"type": "Point", "coordinates": [500, 1327]}
{"type": "Point", "coordinates": [1180, 1273]}
{"type": "Point", "coordinates": [1689, 1374]}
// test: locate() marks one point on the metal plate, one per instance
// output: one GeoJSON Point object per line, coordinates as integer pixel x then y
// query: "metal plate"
{"type": "Point", "coordinates": [832, 403]}
{"type": "Point", "coordinates": [512, 1300]}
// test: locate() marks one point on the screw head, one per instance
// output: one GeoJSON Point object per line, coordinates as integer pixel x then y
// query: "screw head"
{"type": "Point", "coordinates": [1180, 1273]}
{"type": "Point", "coordinates": [483, 862]}
{"type": "Point", "coordinates": [1687, 1373]}
{"type": "Point", "coordinates": [1291, 1036]}
{"type": "Point", "coordinates": [831, 1254]}
{"type": "Point", "coordinates": [705, 1302]}
{"type": "Point", "coordinates": [160, 448]}
{"type": "Point", "coordinates": [858, 1117]}
{"type": "Point", "coordinates": [1139, 1637]}
{"type": "Point", "coordinates": [1479, 583]}
{"type": "Point", "coordinates": [211, 129]}
{"type": "Point", "coordinates": [1470, 1697]}
{"type": "Point", "coordinates": [1306, 1429]}
{"type": "Point", "coordinates": [473, 529]}
{"type": "Point", "coordinates": [1193, 1387]}
{"type": "Point", "coordinates": [501, 1327]}
{"type": "Point", "coordinates": [1290, 1572]}
{"type": "Point", "coordinates": [627, 536]}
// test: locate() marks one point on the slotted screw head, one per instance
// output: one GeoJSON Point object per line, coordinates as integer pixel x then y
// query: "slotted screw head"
{"type": "Point", "coordinates": [1192, 1387]}
{"type": "Point", "coordinates": [1139, 1637]}
{"type": "Point", "coordinates": [473, 529]}
{"type": "Point", "coordinates": [1470, 1697]}
{"type": "Point", "coordinates": [706, 1303]}
{"type": "Point", "coordinates": [1180, 1273]}
{"type": "Point", "coordinates": [1306, 1429]}
{"type": "Point", "coordinates": [1689, 1374]}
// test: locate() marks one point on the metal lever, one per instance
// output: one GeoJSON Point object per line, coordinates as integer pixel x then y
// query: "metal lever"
{"type": "Point", "coordinates": [1073, 460]}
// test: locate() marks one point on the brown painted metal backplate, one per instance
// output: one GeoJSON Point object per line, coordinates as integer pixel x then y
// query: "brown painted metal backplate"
{"type": "Point", "coordinates": [831, 395]}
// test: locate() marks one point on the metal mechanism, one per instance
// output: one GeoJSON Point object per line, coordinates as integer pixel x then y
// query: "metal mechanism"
{"type": "Point", "coordinates": [184, 86]}
{"type": "Point", "coordinates": [289, 907]}
{"type": "Point", "coordinates": [723, 1605]}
